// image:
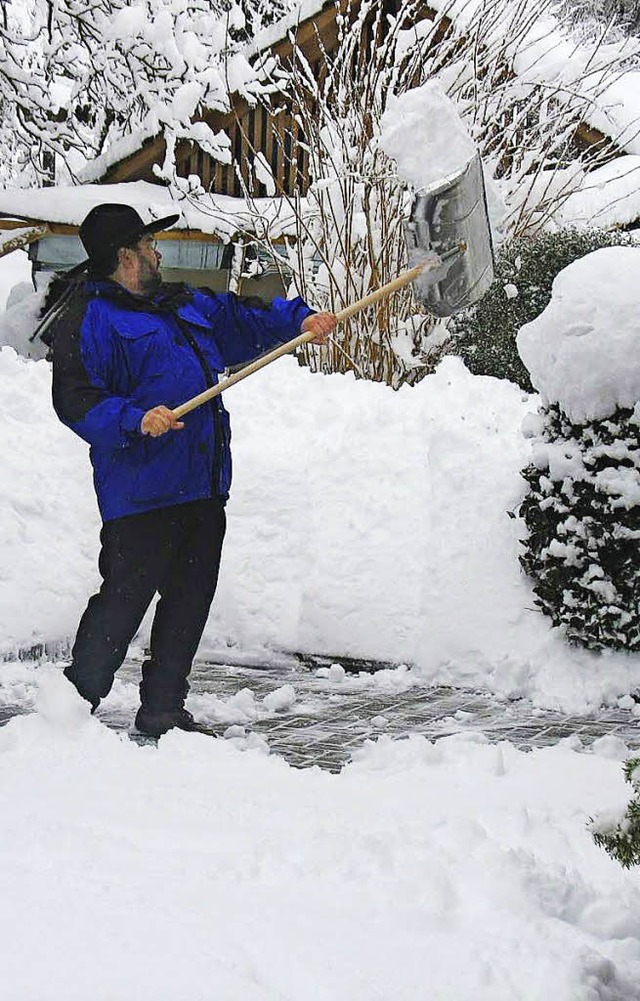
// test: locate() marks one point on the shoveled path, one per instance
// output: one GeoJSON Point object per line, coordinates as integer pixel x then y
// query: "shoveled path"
{"type": "Point", "coordinates": [335, 712]}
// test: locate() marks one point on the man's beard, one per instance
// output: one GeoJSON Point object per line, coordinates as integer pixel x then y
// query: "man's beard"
{"type": "Point", "coordinates": [150, 279]}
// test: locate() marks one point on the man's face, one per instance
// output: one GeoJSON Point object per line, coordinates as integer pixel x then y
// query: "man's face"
{"type": "Point", "coordinates": [149, 277]}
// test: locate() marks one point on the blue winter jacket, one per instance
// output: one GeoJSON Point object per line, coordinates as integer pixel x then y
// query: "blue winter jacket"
{"type": "Point", "coordinates": [117, 355]}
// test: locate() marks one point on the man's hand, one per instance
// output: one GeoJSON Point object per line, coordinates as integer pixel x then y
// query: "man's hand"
{"type": "Point", "coordinates": [158, 421]}
{"type": "Point", "coordinates": [320, 324]}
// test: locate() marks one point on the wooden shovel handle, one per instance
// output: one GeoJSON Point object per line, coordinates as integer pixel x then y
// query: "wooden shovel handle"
{"type": "Point", "coordinates": [284, 349]}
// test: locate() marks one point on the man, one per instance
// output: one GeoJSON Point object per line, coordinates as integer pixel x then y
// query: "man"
{"type": "Point", "coordinates": [126, 350]}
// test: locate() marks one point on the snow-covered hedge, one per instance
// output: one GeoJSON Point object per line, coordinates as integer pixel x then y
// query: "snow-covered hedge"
{"type": "Point", "coordinates": [485, 335]}
{"type": "Point", "coordinates": [583, 516]}
{"type": "Point", "coordinates": [582, 510]}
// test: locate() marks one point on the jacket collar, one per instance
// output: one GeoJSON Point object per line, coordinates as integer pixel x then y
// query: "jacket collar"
{"type": "Point", "coordinates": [169, 299]}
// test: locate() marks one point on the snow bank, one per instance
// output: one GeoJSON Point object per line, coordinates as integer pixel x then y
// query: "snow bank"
{"type": "Point", "coordinates": [582, 351]}
{"type": "Point", "coordinates": [14, 270]}
{"type": "Point", "coordinates": [456, 870]}
{"type": "Point", "coordinates": [362, 522]}
{"type": "Point", "coordinates": [48, 518]}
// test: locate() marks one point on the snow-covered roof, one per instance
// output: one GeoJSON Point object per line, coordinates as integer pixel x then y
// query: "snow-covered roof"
{"type": "Point", "coordinates": [124, 147]}
{"type": "Point", "coordinates": [609, 196]}
{"type": "Point", "coordinates": [550, 57]}
{"type": "Point", "coordinates": [279, 30]}
{"type": "Point", "coordinates": [216, 215]}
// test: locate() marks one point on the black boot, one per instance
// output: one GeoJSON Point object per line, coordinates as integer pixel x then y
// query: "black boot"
{"type": "Point", "coordinates": [89, 697]}
{"type": "Point", "coordinates": [154, 724]}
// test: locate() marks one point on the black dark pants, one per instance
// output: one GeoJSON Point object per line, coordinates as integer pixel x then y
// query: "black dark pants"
{"type": "Point", "coordinates": [174, 551]}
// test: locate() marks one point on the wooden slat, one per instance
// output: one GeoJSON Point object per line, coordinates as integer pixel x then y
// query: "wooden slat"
{"type": "Point", "coordinates": [139, 165]}
{"type": "Point", "coordinates": [53, 228]}
{"type": "Point", "coordinates": [268, 146]}
{"type": "Point", "coordinates": [323, 25]}
{"type": "Point", "coordinates": [263, 135]}
{"type": "Point", "coordinates": [13, 223]}
{"type": "Point", "coordinates": [61, 229]}
{"type": "Point", "coordinates": [279, 171]}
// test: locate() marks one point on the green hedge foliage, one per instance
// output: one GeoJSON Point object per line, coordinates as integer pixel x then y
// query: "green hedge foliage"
{"type": "Point", "coordinates": [621, 838]}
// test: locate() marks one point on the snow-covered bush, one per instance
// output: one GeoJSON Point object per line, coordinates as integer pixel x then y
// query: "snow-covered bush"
{"type": "Point", "coordinates": [582, 509]}
{"type": "Point", "coordinates": [582, 512]}
{"type": "Point", "coordinates": [620, 835]}
{"type": "Point", "coordinates": [77, 79]}
{"type": "Point", "coordinates": [485, 335]}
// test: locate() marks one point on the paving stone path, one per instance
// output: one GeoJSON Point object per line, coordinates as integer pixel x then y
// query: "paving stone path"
{"type": "Point", "coordinates": [334, 714]}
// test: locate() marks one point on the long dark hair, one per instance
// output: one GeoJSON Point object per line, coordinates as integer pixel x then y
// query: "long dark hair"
{"type": "Point", "coordinates": [58, 285]}
{"type": "Point", "coordinates": [61, 290]}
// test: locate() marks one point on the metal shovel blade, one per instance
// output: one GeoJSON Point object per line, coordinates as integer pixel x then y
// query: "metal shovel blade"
{"type": "Point", "coordinates": [444, 216]}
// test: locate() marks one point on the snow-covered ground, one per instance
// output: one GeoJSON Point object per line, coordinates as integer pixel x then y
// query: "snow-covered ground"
{"type": "Point", "coordinates": [362, 522]}
{"type": "Point", "coordinates": [448, 871]}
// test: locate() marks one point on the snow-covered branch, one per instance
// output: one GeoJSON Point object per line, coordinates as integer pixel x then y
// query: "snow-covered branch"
{"type": "Point", "coordinates": [76, 76]}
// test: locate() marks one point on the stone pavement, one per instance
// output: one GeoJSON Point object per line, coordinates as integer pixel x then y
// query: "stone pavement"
{"type": "Point", "coordinates": [335, 711]}
{"type": "Point", "coordinates": [332, 716]}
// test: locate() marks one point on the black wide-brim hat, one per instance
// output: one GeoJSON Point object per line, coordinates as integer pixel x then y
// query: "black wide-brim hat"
{"type": "Point", "coordinates": [110, 226]}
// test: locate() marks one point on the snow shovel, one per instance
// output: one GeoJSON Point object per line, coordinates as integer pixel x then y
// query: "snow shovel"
{"type": "Point", "coordinates": [449, 243]}
{"type": "Point", "coordinates": [444, 215]}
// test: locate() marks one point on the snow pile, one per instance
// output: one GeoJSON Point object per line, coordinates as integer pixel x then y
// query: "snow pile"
{"type": "Point", "coordinates": [20, 320]}
{"type": "Point", "coordinates": [15, 269]}
{"type": "Point", "coordinates": [457, 867]}
{"type": "Point", "coordinates": [583, 350]}
{"type": "Point", "coordinates": [48, 518]}
{"type": "Point", "coordinates": [422, 131]}
{"type": "Point", "coordinates": [22, 306]}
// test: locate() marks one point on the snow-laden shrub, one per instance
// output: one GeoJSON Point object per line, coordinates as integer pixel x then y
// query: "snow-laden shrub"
{"type": "Point", "coordinates": [594, 14]}
{"type": "Point", "coordinates": [620, 835]}
{"type": "Point", "coordinates": [485, 335]}
{"type": "Point", "coordinates": [582, 512]}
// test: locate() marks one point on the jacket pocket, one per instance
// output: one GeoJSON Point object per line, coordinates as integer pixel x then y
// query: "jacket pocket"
{"type": "Point", "coordinates": [160, 470]}
{"type": "Point", "coordinates": [142, 354]}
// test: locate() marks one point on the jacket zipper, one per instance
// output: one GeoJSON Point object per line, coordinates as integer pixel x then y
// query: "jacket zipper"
{"type": "Point", "coordinates": [217, 425]}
